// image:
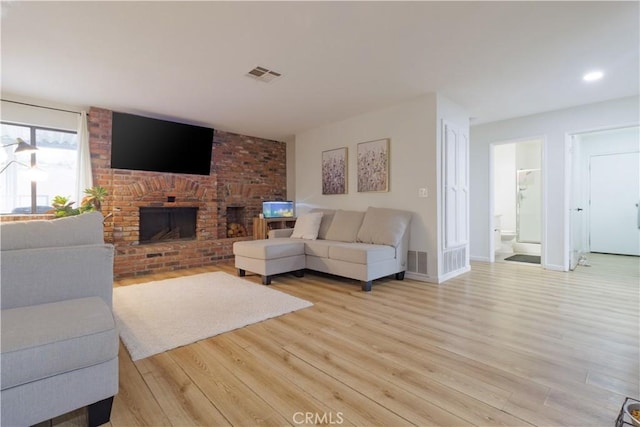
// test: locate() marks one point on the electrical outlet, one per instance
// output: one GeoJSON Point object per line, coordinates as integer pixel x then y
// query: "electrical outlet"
{"type": "Point", "coordinates": [423, 192]}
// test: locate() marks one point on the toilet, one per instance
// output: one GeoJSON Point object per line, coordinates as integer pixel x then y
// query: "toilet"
{"type": "Point", "coordinates": [506, 241]}
{"type": "Point", "coordinates": [503, 239]}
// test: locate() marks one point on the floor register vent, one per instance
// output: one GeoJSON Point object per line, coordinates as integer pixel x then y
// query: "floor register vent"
{"type": "Point", "coordinates": [417, 262]}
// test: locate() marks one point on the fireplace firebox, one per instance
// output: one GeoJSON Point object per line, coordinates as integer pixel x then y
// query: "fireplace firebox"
{"type": "Point", "coordinates": [166, 224]}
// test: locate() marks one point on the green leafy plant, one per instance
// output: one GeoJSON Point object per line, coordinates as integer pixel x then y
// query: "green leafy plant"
{"type": "Point", "coordinates": [63, 207]}
{"type": "Point", "coordinates": [93, 199]}
{"type": "Point", "coordinates": [91, 202]}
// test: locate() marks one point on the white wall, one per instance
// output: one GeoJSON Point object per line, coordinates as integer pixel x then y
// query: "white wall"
{"type": "Point", "coordinates": [529, 154]}
{"type": "Point", "coordinates": [554, 127]}
{"type": "Point", "coordinates": [413, 130]}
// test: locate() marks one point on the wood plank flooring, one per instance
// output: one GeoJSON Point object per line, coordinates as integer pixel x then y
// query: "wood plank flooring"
{"type": "Point", "coordinates": [503, 345]}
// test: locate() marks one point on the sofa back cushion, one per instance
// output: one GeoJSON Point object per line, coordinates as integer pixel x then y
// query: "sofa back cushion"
{"type": "Point", "coordinates": [344, 226]}
{"type": "Point", "coordinates": [307, 226]}
{"type": "Point", "coordinates": [384, 226]}
{"type": "Point", "coordinates": [85, 229]}
{"type": "Point", "coordinates": [327, 218]}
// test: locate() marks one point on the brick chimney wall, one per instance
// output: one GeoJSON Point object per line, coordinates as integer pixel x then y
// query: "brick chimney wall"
{"type": "Point", "coordinates": [244, 172]}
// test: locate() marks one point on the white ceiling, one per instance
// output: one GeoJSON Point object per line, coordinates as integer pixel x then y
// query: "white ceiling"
{"type": "Point", "coordinates": [187, 61]}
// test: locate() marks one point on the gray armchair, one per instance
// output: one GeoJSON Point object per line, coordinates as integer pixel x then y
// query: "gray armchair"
{"type": "Point", "coordinates": [59, 341]}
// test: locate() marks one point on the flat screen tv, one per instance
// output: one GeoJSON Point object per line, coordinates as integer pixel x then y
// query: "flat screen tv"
{"type": "Point", "coordinates": [277, 209]}
{"type": "Point", "coordinates": [143, 143]}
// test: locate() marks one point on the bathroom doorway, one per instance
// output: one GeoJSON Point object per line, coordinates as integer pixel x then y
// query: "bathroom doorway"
{"type": "Point", "coordinates": [517, 201]}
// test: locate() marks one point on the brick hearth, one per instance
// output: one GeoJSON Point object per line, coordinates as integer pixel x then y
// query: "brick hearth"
{"type": "Point", "coordinates": [244, 172]}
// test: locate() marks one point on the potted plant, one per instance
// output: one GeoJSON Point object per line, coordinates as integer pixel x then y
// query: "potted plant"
{"type": "Point", "coordinates": [63, 207]}
{"type": "Point", "coordinates": [91, 202]}
{"type": "Point", "coordinates": [93, 199]}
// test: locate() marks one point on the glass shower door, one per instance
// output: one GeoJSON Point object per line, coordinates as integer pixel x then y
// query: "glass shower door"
{"type": "Point", "coordinates": [529, 206]}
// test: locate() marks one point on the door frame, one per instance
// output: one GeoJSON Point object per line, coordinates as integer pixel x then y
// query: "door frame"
{"type": "Point", "coordinates": [568, 187]}
{"type": "Point", "coordinates": [543, 174]}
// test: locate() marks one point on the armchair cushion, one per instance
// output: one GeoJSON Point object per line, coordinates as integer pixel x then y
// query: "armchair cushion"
{"type": "Point", "coordinates": [45, 340]}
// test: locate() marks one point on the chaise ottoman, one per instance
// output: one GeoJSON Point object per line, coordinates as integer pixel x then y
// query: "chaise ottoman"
{"type": "Point", "coordinates": [269, 257]}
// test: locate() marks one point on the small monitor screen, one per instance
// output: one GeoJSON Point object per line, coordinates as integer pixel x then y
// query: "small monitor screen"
{"type": "Point", "coordinates": [277, 209]}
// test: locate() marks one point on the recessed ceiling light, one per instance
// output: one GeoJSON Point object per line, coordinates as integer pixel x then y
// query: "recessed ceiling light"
{"type": "Point", "coordinates": [593, 76]}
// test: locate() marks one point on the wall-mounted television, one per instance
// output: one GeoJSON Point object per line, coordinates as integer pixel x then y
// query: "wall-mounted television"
{"type": "Point", "coordinates": [277, 209]}
{"type": "Point", "coordinates": [143, 143]}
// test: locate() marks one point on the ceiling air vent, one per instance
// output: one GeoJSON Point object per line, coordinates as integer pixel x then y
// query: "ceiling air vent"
{"type": "Point", "coordinates": [263, 74]}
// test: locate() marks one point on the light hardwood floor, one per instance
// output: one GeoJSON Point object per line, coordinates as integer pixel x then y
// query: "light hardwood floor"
{"type": "Point", "coordinates": [505, 344]}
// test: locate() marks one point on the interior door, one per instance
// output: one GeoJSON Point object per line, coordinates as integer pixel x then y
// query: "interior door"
{"type": "Point", "coordinates": [577, 213]}
{"type": "Point", "coordinates": [614, 196]}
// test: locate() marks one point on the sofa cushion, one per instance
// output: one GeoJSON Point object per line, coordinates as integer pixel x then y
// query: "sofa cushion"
{"type": "Point", "coordinates": [344, 226]}
{"type": "Point", "coordinates": [383, 226]}
{"type": "Point", "coordinates": [307, 226]}
{"type": "Point", "coordinates": [361, 253]}
{"type": "Point", "coordinates": [269, 248]}
{"type": "Point", "coordinates": [319, 248]}
{"type": "Point", "coordinates": [327, 217]}
{"type": "Point", "coordinates": [85, 229]}
{"type": "Point", "coordinates": [44, 340]}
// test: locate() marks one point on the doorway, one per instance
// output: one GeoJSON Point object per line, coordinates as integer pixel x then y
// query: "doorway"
{"type": "Point", "coordinates": [517, 201]}
{"type": "Point", "coordinates": [605, 193]}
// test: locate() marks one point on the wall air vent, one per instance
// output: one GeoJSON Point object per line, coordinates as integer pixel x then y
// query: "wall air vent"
{"type": "Point", "coordinates": [263, 74]}
{"type": "Point", "coordinates": [454, 259]}
{"type": "Point", "coordinates": [417, 262]}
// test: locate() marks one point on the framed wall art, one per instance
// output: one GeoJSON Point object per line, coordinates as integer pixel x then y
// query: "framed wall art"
{"type": "Point", "coordinates": [334, 171]}
{"type": "Point", "coordinates": [373, 166]}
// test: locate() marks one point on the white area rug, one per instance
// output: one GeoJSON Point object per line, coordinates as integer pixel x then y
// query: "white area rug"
{"type": "Point", "coordinates": [158, 316]}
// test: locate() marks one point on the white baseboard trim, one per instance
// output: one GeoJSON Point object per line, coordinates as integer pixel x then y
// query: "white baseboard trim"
{"type": "Point", "coordinates": [554, 267]}
{"type": "Point", "coordinates": [453, 274]}
{"type": "Point", "coordinates": [480, 258]}
{"type": "Point", "coordinates": [419, 277]}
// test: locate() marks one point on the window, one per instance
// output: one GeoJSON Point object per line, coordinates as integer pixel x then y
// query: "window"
{"type": "Point", "coordinates": [32, 179]}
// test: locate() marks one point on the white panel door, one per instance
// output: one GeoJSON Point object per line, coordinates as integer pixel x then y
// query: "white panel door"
{"type": "Point", "coordinates": [456, 187]}
{"type": "Point", "coordinates": [450, 188]}
{"type": "Point", "coordinates": [463, 188]}
{"type": "Point", "coordinates": [615, 193]}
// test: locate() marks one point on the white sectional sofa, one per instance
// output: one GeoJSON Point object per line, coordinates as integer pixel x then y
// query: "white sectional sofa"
{"type": "Point", "coordinates": [359, 245]}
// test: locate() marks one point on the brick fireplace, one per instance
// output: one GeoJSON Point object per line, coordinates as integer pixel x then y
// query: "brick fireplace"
{"type": "Point", "coordinates": [244, 172]}
{"type": "Point", "coordinates": [167, 224]}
